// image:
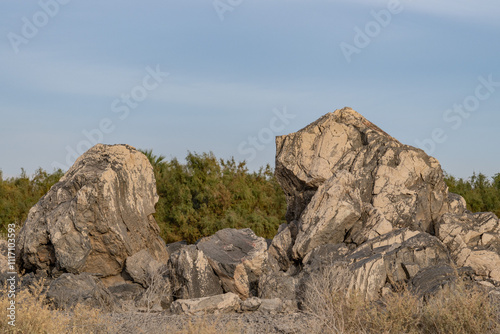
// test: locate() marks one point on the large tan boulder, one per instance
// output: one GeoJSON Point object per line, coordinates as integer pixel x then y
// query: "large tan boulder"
{"type": "Point", "coordinates": [96, 216]}
{"type": "Point", "coordinates": [346, 180]}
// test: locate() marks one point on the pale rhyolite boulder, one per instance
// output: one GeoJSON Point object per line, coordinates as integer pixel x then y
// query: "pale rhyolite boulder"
{"type": "Point", "coordinates": [96, 216]}
{"type": "Point", "coordinates": [346, 180]}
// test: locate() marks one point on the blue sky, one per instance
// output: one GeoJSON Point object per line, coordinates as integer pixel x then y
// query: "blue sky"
{"type": "Point", "coordinates": [241, 72]}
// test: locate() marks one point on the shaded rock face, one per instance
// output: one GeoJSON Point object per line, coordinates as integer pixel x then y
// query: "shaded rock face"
{"type": "Point", "coordinates": [346, 180]}
{"type": "Point", "coordinates": [96, 216]}
{"type": "Point", "coordinates": [142, 267]}
{"type": "Point", "coordinates": [192, 275]}
{"type": "Point", "coordinates": [237, 257]}
{"type": "Point", "coordinates": [69, 290]}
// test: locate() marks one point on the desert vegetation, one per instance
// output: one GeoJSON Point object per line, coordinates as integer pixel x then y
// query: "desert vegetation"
{"type": "Point", "coordinates": [34, 315]}
{"type": "Point", "coordinates": [481, 193]}
{"type": "Point", "coordinates": [206, 194]}
{"type": "Point", "coordinates": [197, 198]}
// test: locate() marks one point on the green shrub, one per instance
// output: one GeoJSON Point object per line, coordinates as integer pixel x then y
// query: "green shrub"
{"type": "Point", "coordinates": [18, 195]}
{"type": "Point", "coordinates": [205, 194]}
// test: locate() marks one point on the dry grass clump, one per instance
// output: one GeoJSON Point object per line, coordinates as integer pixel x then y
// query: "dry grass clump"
{"type": "Point", "coordinates": [457, 309]}
{"type": "Point", "coordinates": [326, 302]}
{"type": "Point", "coordinates": [461, 309]}
{"type": "Point", "coordinates": [34, 316]}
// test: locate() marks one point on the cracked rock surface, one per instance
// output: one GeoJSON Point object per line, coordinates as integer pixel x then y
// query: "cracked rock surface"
{"type": "Point", "coordinates": [346, 180]}
{"type": "Point", "coordinates": [96, 216]}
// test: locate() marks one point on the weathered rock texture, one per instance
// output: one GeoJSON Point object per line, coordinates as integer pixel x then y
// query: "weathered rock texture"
{"type": "Point", "coordinates": [474, 241]}
{"type": "Point", "coordinates": [69, 290]}
{"type": "Point", "coordinates": [142, 267]}
{"type": "Point", "coordinates": [347, 180]}
{"type": "Point", "coordinates": [393, 258]}
{"type": "Point", "coordinates": [192, 275]}
{"type": "Point", "coordinates": [365, 213]}
{"type": "Point", "coordinates": [371, 212]}
{"type": "Point", "coordinates": [95, 217]}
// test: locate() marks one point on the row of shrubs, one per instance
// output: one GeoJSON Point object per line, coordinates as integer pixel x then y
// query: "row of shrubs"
{"type": "Point", "coordinates": [204, 194]}
{"type": "Point", "coordinates": [197, 198]}
{"type": "Point", "coordinates": [480, 192]}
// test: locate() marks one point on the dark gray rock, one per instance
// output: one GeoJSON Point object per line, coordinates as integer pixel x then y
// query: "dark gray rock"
{"type": "Point", "coordinates": [127, 291]}
{"type": "Point", "coordinates": [69, 290]}
{"type": "Point", "coordinates": [278, 285]}
{"type": "Point", "coordinates": [142, 267]}
{"type": "Point", "coordinates": [432, 279]}
{"type": "Point", "coordinates": [191, 274]}
{"type": "Point", "coordinates": [175, 246]}
{"type": "Point", "coordinates": [237, 257]}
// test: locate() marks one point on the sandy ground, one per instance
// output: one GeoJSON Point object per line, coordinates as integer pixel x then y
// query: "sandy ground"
{"type": "Point", "coordinates": [248, 323]}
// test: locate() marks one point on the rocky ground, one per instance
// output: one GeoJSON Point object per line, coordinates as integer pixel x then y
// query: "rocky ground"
{"type": "Point", "coordinates": [248, 323]}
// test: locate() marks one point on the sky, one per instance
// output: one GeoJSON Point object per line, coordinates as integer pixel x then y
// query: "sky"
{"type": "Point", "coordinates": [228, 76]}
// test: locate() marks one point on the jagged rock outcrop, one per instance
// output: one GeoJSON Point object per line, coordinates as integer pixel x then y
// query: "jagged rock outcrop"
{"type": "Point", "coordinates": [96, 216]}
{"type": "Point", "coordinates": [237, 257]}
{"type": "Point", "coordinates": [347, 180]}
{"type": "Point", "coordinates": [372, 211]}
{"type": "Point", "coordinates": [473, 240]}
